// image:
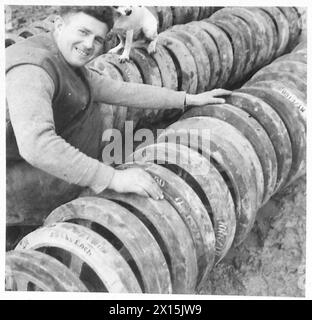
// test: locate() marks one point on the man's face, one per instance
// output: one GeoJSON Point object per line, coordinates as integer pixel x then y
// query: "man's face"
{"type": "Point", "coordinates": [80, 38]}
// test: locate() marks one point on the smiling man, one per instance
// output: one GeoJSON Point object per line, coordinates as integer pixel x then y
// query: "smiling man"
{"type": "Point", "coordinates": [54, 126]}
{"type": "Point", "coordinates": [80, 37]}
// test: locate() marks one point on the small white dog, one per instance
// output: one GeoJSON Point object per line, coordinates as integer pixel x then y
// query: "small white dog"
{"type": "Point", "coordinates": [135, 27]}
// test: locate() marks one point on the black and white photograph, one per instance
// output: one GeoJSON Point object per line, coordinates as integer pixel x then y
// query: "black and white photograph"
{"type": "Point", "coordinates": [156, 149]}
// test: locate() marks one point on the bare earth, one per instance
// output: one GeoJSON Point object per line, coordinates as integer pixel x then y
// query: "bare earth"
{"type": "Point", "coordinates": [271, 261]}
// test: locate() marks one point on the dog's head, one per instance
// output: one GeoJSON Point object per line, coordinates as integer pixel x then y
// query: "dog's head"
{"type": "Point", "coordinates": [124, 10]}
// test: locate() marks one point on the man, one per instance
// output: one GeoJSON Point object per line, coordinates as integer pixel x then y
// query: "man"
{"type": "Point", "coordinates": [54, 129]}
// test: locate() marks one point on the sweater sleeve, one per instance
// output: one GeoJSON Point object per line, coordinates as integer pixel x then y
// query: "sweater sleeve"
{"type": "Point", "coordinates": [134, 95]}
{"type": "Point", "coordinates": [29, 92]}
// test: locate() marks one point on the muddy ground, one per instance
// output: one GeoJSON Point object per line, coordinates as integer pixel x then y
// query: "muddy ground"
{"type": "Point", "coordinates": [271, 261]}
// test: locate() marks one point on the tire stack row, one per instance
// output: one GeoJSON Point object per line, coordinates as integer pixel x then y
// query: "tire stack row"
{"type": "Point", "coordinates": [245, 151]}
{"type": "Point", "coordinates": [283, 85]}
{"type": "Point", "coordinates": [33, 29]}
{"type": "Point", "coordinates": [169, 16]}
{"type": "Point", "coordinates": [260, 36]}
{"type": "Point", "coordinates": [221, 51]}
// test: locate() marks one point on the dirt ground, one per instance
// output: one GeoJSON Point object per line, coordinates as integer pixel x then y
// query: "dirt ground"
{"type": "Point", "coordinates": [271, 261]}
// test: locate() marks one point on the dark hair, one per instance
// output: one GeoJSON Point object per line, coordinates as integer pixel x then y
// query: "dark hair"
{"type": "Point", "coordinates": [102, 13]}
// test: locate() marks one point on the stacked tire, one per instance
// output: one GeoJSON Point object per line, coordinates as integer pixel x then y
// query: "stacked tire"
{"type": "Point", "coordinates": [221, 51]}
{"type": "Point", "coordinates": [169, 16]}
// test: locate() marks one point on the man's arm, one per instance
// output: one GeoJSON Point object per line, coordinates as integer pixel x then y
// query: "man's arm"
{"type": "Point", "coordinates": [146, 96]}
{"type": "Point", "coordinates": [134, 94]}
{"type": "Point", "coordinates": [29, 92]}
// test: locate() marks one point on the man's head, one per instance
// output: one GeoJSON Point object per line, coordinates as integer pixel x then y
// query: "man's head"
{"type": "Point", "coordinates": [80, 32]}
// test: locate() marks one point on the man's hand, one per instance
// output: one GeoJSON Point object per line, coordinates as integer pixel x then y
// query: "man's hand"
{"type": "Point", "coordinates": [209, 97]}
{"type": "Point", "coordinates": [135, 180]}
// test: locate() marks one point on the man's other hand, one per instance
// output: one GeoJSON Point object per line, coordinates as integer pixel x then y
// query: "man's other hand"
{"type": "Point", "coordinates": [135, 180]}
{"type": "Point", "coordinates": [208, 97]}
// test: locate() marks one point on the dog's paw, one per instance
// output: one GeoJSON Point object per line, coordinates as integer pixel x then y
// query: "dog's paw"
{"type": "Point", "coordinates": [151, 50]}
{"type": "Point", "coordinates": [123, 58]}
